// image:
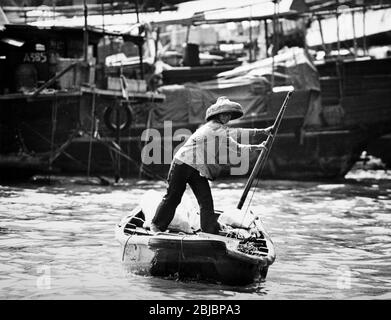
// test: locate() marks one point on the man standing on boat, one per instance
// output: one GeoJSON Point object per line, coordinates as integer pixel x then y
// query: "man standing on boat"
{"type": "Point", "coordinates": [197, 161]}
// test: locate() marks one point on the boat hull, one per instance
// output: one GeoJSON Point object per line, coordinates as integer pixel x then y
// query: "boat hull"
{"type": "Point", "coordinates": [201, 256]}
{"type": "Point", "coordinates": [381, 148]}
{"type": "Point", "coordinates": [205, 260]}
{"type": "Point", "coordinates": [299, 155]}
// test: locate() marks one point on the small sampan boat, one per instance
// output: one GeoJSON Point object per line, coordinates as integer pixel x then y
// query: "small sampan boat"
{"type": "Point", "coordinates": [234, 257]}
{"type": "Point", "coordinates": [240, 255]}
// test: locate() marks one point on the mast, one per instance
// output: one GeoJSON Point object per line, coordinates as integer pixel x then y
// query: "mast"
{"type": "Point", "coordinates": [251, 43]}
{"type": "Point", "coordinates": [364, 39]}
{"type": "Point", "coordinates": [338, 39]}
{"type": "Point", "coordinates": [275, 36]}
{"type": "Point", "coordinates": [250, 49]}
{"type": "Point", "coordinates": [54, 9]}
{"type": "Point", "coordinates": [321, 33]}
{"type": "Point", "coordinates": [140, 45]}
{"type": "Point", "coordinates": [85, 39]}
{"type": "Point", "coordinates": [102, 9]}
{"type": "Point", "coordinates": [266, 38]}
{"type": "Point", "coordinates": [354, 34]}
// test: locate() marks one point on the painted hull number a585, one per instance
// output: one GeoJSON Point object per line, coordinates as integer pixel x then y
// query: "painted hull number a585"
{"type": "Point", "coordinates": [36, 57]}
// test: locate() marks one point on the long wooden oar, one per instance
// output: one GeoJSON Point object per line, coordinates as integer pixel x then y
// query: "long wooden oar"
{"type": "Point", "coordinates": [264, 152]}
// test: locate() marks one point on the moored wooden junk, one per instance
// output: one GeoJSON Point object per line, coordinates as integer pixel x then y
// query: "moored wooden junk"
{"type": "Point", "coordinates": [69, 124]}
{"type": "Point", "coordinates": [342, 102]}
{"type": "Point", "coordinates": [50, 95]}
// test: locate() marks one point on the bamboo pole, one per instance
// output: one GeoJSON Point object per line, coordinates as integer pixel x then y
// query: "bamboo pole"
{"type": "Point", "coordinates": [364, 39]}
{"type": "Point", "coordinates": [140, 46]}
{"type": "Point", "coordinates": [321, 33]}
{"type": "Point", "coordinates": [117, 174]}
{"type": "Point", "coordinates": [264, 152]}
{"type": "Point", "coordinates": [54, 9]}
{"type": "Point", "coordinates": [53, 79]}
{"type": "Point", "coordinates": [102, 7]}
{"type": "Point", "coordinates": [266, 38]}
{"type": "Point", "coordinates": [338, 39]}
{"type": "Point", "coordinates": [187, 33]}
{"type": "Point", "coordinates": [251, 43]}
{"type": "Point", "coordinates": [354, 34]}
{"type": "Point", "coordinates": [85, 38]}
{"type": "Point", "coordinates": [275, 39]}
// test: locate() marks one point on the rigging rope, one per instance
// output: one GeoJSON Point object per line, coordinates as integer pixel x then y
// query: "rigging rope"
{"type": "Point", "coordinates": [251, 198]}
{"type": "Point", "coordinates": [54, 127]}
{"type": "Point", "coordinates": [254, 188]}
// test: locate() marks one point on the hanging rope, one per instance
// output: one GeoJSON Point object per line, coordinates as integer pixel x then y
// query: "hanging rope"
{"type": "Point", "coordinates": [54, 128]}
{"type": "Point", "coordinates": [251, 198]}
{"type": "Point", "coordinates": [61, 150]}
{"type": "Point", "coordinates": [129, 147]}
{"type": "Point", "coordinates": [254, 189]}
{"type": "Point", "coordinates": [102, 6]}
{"type": "Point", "coordinates": [148, 128]}
{"type": "Point", "coordinates": [112, 146]}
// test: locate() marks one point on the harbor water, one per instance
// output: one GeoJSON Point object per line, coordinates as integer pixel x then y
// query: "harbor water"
{"type": "Point", "coordinates": [333, 240]}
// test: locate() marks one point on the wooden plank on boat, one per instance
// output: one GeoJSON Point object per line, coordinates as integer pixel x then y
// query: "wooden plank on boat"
{"type": "Point", "coordinates": [145, 96]}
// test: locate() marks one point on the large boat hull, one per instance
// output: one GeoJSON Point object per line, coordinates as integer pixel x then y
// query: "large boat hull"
{"type": "Point", "coordinates": [297, 154]}
{"type": "Point", "coordinates": [381, 148]}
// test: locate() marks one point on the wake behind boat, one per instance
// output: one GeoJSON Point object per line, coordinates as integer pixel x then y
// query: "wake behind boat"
{"type": "Point", "coordinates": [234, 257]}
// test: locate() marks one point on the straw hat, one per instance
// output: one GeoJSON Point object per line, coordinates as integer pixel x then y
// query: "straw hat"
{"type": "Point", "coordinates": [224, 105]}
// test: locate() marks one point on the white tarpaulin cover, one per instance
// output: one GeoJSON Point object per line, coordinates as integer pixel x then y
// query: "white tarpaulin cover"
{"type": "Point", "coordinates": [187, 218]}
{"type": "Point", "coordinates": [376, 21]}
{"type": "Point", "coordinates": [247, 85]}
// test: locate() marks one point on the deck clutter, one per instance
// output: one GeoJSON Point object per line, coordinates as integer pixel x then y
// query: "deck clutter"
{"type": "Point", "coordinates": [77, 99]}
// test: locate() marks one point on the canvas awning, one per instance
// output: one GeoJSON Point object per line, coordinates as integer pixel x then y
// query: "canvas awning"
{"type": "Point", "coordinates": [26, 11]}
{"type": "Point", "coordinates": [3, 19]}
{"type": "Point", "coordinates": [221, 11]}
{"type": "Point", "coordinates": [376, 22]}
{"type": "Point", "coordinates": [190, 12]}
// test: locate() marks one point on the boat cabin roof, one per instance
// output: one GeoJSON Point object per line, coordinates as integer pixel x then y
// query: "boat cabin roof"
{"type": "Point", "coordinates": [95, 34]}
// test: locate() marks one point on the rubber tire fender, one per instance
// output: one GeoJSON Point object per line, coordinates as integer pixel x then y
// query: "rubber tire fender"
{"type": "Point", "coordinates": [124, 125]}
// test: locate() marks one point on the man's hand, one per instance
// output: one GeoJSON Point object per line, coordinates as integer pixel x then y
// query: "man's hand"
{"type": "Point", "coordinates": [268, 130]}
{"type": "Point", "coordinates": [254, 232]}
{"type": "Point", "coordinates": [223, 226]}
{"type": "Point", "coordinates": [261, 146]}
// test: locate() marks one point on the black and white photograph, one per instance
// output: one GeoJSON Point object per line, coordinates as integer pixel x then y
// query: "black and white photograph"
{"type": "Point", "coordinates": [212, 152]}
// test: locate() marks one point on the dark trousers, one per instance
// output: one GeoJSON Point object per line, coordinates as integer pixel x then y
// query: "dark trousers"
{"type": "Point", "coordinates": [178, 176]}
